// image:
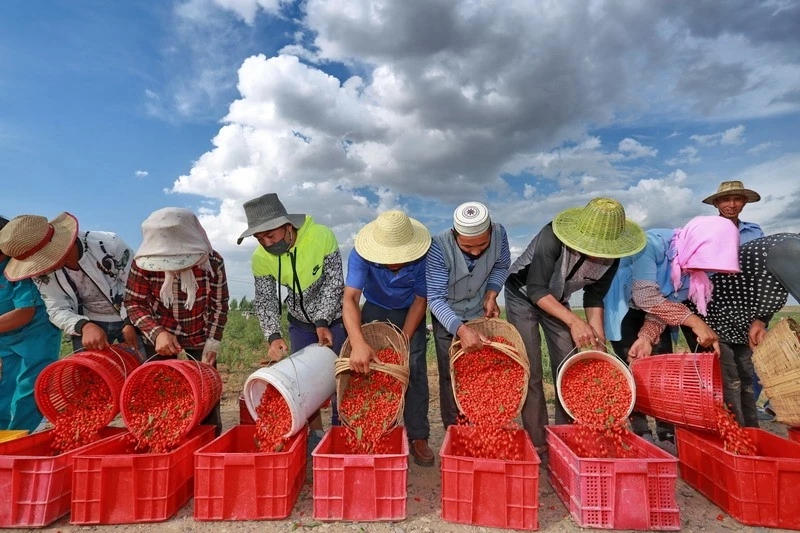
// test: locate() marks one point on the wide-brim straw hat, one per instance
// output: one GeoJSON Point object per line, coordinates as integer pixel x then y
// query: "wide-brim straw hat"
{"type": "Point", "coordinates": [392, 239]}
{"type": "Point", "coordinates": [728, 188]}
{"type": "Point", "coordinates": [266, 213]}
{"type": "Point", "coordinates": [599, 229]}
{"type": "Point", "coordinates": [35, 245]}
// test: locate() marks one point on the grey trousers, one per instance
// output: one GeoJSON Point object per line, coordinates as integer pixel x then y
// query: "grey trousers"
{"type": "Point", "coordinates": [527, 318]}
{"type": "Point", "coordinates": [447, 401]}
{"type": "Point", "coordinates": [415, 412]}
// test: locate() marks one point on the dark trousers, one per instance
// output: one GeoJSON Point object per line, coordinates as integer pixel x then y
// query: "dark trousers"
{"type": "Point", "coordinates": [415, 412]}
{"type": "Point", "coordinates": [736, 367]}
{"type": "Point", "coordinates": [631, 324]}
{"type": "Point", "coordinates": [447, 401]}
{"type": "Point", "coordinates": [527, 318]}
{"type": "Point", "coordinates": [214, 418]}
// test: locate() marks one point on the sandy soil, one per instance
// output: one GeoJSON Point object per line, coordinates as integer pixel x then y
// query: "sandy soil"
{"type": "Point", "coordinates": [424, 500]}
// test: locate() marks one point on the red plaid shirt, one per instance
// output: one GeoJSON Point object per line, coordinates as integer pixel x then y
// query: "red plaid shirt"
{"type": "Point", "coordinates": [205, 320]}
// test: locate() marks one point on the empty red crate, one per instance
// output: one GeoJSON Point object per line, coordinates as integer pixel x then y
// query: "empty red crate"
{"type": "Point", "coordinates": [111, 484]}
{"type": "Point", "coordinates": [760, 490]}
{"type": "Point", "coordinates": [244, 413]}
{"type": "Point", "coordinates": [35, 484]}
{"type": "Point", "coordinates": [233, 481]}
{"type": "Point", "coordinates": [490, 492]}
{"type": "Point", "coordinates": [615, 493]}
{"type": "Point", "coordinates": [360, 487]}
{"type": "Point", "coordinates": [793, 434]}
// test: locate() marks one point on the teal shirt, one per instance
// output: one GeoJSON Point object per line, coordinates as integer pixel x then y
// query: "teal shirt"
{"type": "Point", "coordinates": [19, 295]}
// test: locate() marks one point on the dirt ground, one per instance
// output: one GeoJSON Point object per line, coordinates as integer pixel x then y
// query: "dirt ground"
{"type": "Point", "coordinates": [424, 499]}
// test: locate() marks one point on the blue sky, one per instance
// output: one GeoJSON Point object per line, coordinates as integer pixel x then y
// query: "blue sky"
{"type": "Point", "coordinates": [111, 110]}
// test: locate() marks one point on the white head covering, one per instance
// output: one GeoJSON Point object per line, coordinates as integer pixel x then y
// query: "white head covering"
{"type": "Point", "coordinates": [173, 241]}
{"type": "Point", "coordinates": [471, 219]}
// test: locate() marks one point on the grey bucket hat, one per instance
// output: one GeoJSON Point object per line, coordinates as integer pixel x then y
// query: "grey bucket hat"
{"type": "Point", "coordinates": [265, 213]}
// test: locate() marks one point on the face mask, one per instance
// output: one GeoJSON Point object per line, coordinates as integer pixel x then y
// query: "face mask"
{"type": "Point", "coordinates": [279, 248]}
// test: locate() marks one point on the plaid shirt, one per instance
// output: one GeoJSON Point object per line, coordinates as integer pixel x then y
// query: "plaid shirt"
{"type": "Point", "coordinates": [205, 320]}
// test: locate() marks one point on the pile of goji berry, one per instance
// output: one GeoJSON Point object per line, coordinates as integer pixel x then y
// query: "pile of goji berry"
{"type": "Point", "coordinates": [489, 386]}
{"type": "Point", "coordinates": [488, 442]}
{"type": "Point", "coordinates": [274, 421]}
{"type": "Point", "coordinates": [734, 438]}
{"type": "Point", "coordinates": [161, 409]}
{"type": "Point", "coordinates": [87, 412]}
{"type": "Point", "coordinates": [370, 404]}
{"type": "Point", "coordinates": [598, 396]}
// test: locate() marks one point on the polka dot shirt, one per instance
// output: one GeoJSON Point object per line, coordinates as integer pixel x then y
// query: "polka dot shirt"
{"type": "Point", "coordinates": [739, 299]}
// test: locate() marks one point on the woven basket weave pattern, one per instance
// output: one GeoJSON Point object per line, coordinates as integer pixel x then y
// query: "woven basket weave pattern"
{"type": "Point", "coordinates": [378, 335]}
{"type": "Point", "coordinates": [494, 327]}
{"type": "Point", "coordinates": [777, 362]}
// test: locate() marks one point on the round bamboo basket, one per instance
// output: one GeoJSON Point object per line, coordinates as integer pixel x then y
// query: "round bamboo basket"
{"type": "Point", "coordinates": [378, 335]}
{"type": "Point", "coordinates": [777, 363]}
{"type": "Point", "coordinates": [491, 327]}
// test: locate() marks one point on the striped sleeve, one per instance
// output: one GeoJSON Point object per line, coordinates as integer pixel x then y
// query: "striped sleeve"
{"type": "Point", "coordinates": [499, 273]}
{"type": "Point", "coordinates": [437, 277]}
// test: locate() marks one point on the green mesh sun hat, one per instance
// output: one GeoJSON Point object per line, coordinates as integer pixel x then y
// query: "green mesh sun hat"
{"type": "Point", "coordinates": [600, 229]}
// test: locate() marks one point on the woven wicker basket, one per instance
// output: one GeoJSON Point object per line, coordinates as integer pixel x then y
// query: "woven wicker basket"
{"type": "Point", "coordinates": [378, 335]}
{"type": "Point", "coordinates": [777, 362]}
{"type": "Point", "coordinates": [490, 327]}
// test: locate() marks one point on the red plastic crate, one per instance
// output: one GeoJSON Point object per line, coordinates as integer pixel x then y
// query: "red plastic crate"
{"type": "Point", "coordinates": [630, 493]}
{"type": "Point", "coordinates": [233, 481]}
{"type": "Point", "coordinates": [35, 484]}
{"type": "Point", "coordinates": [113, 485]}
{"type": "Point", "coordinates": [244, 413]}
{"type": "Point", "coordinates": [360, 487]}
{"type": "Point", "coordinates": [760, 490]}
{"type": "Point", "coordinates": [793, 434]}
{"type": "Point", "coordinates": [490, 492]}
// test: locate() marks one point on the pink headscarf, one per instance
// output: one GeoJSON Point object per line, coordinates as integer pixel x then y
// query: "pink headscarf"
{"type": "Point", "coordinates": [704, 244]}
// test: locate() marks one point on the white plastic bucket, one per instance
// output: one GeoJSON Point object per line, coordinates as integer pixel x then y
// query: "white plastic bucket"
{"type": "Point", "coordinates": [305, 380]}
{"type": "Point", "coordinates": [603, 356]}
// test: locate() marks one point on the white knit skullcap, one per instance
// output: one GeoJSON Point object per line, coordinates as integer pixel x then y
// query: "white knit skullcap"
{"type": "Point", "coordinates": [471, 218]}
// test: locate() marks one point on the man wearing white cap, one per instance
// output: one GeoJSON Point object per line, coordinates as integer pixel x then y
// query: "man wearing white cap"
{"type": "Point", "coordinates": [467, 267]}
{"type": "Point", "coordinates": [387, 265]}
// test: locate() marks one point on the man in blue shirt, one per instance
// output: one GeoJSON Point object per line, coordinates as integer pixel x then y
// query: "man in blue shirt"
{"type": "Point", "coordinates": [387, 266]}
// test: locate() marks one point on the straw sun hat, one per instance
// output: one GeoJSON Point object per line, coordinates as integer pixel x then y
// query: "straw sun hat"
{"type": "Point", "coordinates": [599, 229]}
{"type": "Point", "coordinates": [392, 238]}
{"type": "Point", "coordinates": [35, 245]}
{"type": "Point", "coordinates": [728, 188]}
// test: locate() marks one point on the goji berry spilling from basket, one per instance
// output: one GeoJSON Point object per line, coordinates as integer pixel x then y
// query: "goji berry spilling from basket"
{"type": "Point", "coordinates": [489, 385]}
{"type": "Point", "coordinates": [610, 442]}
{"type": "Point", "coordinates": [161, 409]}
{"type": "Point", "coordinates": [599, 397]}
{"type": "Point", "coordinates": [370, 405]}
{"type": "Point", "coordinates": [487, 442]}
{"type": "Point", "coordinates": [734, 438]}
{"type": "Point", "coordinates": [81, 420]}
{"type": "Point", "coordinates": [274, 421]}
